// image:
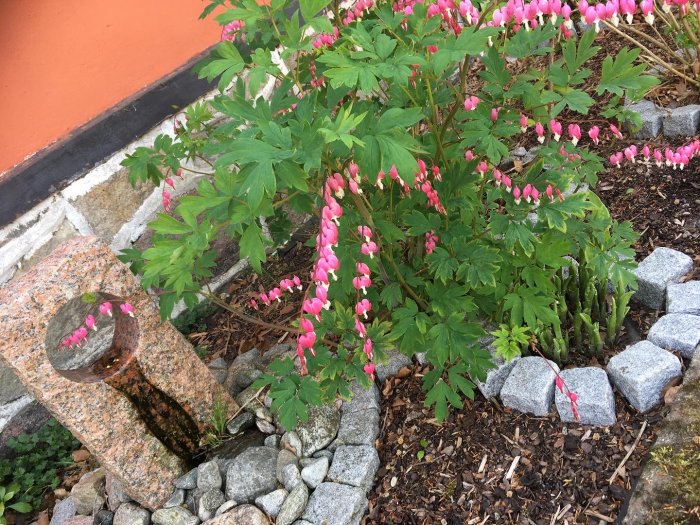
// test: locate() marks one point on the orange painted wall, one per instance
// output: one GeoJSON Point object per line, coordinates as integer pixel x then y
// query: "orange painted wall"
{"type": "Point", "coordinates": [63, 62]}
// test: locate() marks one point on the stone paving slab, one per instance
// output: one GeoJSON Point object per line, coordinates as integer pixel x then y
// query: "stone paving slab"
{"type": "Point", "coordinates": [496, 377]}
{"type": "Point", "coordinates": [596, 400]}
{"type": "Point", "coordinates": [395, 362]}
{"type": "Point", "coordinates": [362, 399]}
{"type": "Point", "coordinates": [641, 372]}
{"type": "Point", "coordinates": [660, 268]}
{"type": "Point", "coordinates": [354, 465]}
{"type": "Point", "coordinates": [682, 122]}
{"type": "Point", "coordinates": [652, 119]}
{"type": "Point", "coordinates": [683, 298]}
{"type": "Point", "coordinates": [530, 386]}
{"type": "Point", "coordinates": [679, 332]}
{"type": "Point", "coordinates": [336, 504]}
{"type": "Point", "coordinates": [660, 493]}
{"type": "Point", "coordinates": [358, 428]}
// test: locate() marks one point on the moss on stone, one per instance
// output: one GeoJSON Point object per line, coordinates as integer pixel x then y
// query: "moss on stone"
{"type": "Point", "coordinates": [678, 501]}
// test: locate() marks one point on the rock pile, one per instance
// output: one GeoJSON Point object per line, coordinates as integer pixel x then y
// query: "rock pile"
{"type": "Point", "coordinates": [318, 473]}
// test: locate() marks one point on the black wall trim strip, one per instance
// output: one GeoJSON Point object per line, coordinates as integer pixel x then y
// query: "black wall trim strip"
{"type": "Point", "coordinates": [54, 168]}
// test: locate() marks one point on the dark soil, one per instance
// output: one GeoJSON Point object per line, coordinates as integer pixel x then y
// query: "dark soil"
{"type": "Point", "coordinates": [663, 205]}
{"type": "Point", "coordinates": [561, 473]}
{"type": "Point", "coordinates": [228, 336]}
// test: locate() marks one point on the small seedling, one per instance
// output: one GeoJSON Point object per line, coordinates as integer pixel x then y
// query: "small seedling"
{"type": "Point", "coordinates": [421, 453]}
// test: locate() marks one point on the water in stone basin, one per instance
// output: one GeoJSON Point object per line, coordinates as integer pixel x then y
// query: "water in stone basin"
{"type": "Point", "coordinates": [108, 355]}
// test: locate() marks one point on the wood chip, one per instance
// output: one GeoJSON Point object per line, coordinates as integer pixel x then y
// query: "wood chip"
{"type": "Point", "coordinates": [483, 464]}
{"type": "Point", "coordinates": [513, 466]}
{"type": "Point", "coordinates": [629, 453]}
{"type": "Point", "coordinates": [595, 514]}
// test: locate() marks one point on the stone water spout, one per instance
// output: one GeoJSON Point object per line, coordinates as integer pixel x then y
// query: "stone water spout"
{"type": "Point", "coordinates": [136, 396]}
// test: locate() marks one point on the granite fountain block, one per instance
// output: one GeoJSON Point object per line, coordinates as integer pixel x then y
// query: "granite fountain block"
{"type": "Point", "coordinates": [95, 399]}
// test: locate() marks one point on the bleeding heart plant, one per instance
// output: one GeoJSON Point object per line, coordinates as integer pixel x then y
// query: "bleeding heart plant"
{"type": "Point", "coordinates": [426, 230]}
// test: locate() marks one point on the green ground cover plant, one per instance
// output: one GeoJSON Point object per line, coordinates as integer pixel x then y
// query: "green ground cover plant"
{"type": "Point", "coordinates": [33, 467]}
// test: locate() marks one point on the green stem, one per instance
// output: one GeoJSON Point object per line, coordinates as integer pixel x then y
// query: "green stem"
{"type": "Point", "coordinates": [364, 212]}
{"type": "Point", "coordinates": [434, 111]}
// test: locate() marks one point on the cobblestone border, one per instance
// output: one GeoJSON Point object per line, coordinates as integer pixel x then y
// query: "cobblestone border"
{"type": "Point", "coordinates": [679, 122]}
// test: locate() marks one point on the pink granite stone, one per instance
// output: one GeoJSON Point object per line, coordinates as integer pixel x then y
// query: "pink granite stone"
{"type": "Point", "coordinates": [101, 417]}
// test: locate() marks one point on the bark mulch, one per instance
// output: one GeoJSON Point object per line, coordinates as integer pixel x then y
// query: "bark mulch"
{"type": "Point", "coordinates": [488, 464]}
{"type": "Point", "coordinates": [662, 204]}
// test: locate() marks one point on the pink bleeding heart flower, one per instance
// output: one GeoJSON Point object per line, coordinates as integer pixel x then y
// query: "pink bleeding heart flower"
{"type": "Point", "coordinates": [365, 232]}
{"type": "Point", "coordinates": [91, 322]}
{"type": "Point", "coordinates": [369, 370]}
{"type": "Point", "coordinates": [360, 327]}
{"type": "Point", "coordinates": [516, 194]}
{"type": "Point", "coordinates": [394, 173]}
{"type": "Point", "coordinates": [320, 277]}
{"type": "Point", "coordinates": [336, 184]}
{"type": "Point", "coordinates": [470, 103]}
{"type": "Point", "coordinates": [127, 309]}
{"type": "Point", "coordinates": [507, 182]}
{"type": "Point", "coordinates": [354, 187]}
{"type": "Point", "coordinates": [380, 178]}
{"type": "Point", "coordinates": [593, 134]}
{"type": "Point", "coordinates": [307, 340]}
{"type": "Point", "coordinates": [574, 133]}
{"type": "Point", "coordinates": [368, 348]}
{"type": "Point", "coordinates": [482, 168]}
{"type": "Point", "coordinates": [75, 339]}
{"type": "Point", "coordinates": [550, 193]}
{"type": "Point", "coordinates": [647, 7]}
{"type": "Point", "coordinates": [566, 15]}
{"type": "Point", "coordinates": [306, 325]}
{"type": "Point", "coordinates": [497, 176]}
{"type": "Point", "coordinates": [322, 295]}
{"type": "Point", "coordinates": [361, 283]}
{"type": "Point", "coordinates": [362, 269]}
{"type": "Point", "coordinates": [265, 299]}
{"type": "Point", "coordinates": [297, 282]}
{"type": "Point", "coordinates": [106, 308]}
{"type": "Point", "coordinates": [591, 17]}
{"type": "Point", "coordinates": [539, 129]}
{"type": "Point", "coordinates": [362, 307]}
{"type": "Point", "coordinates": [313, 307]}
{"type": "Point", "coordinates": [82, 333]}
{"type": "Point", "coordinates": [556, 129]}
{"type": "Point", "coordinates": [523, 123]}
{"type": "Point", "coordinates": [468, 155]}
{"type": "Point", "coordinates": [253, 304]}
{"type": "Point", "coordinates": [616, 131]}
{"type": "Point", "coordinates": [527, 193]}
{"type": "Point", "coordinates": [369, 248]}
{"type": "Point", "coordinates": [616, 159]}
{"type": "Point", "coordinates": [169, 181]}
{"type": "Point", "coordinates": [494, 114]}
{"type": "Point", "coordinates": [66, 342]}
{"type": "Point", "coordinates": [535, 195]}
{"type": "Point", "coordinates": [166, 200]}
{"type": "Point", "coordinates": [354, 171]}
{"type": "Point", "coordinates": [559, 382]}
{"type": "Point", "coordinates": [646, 153]}
{"type": "Point", "coordinates": [628, 8]}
